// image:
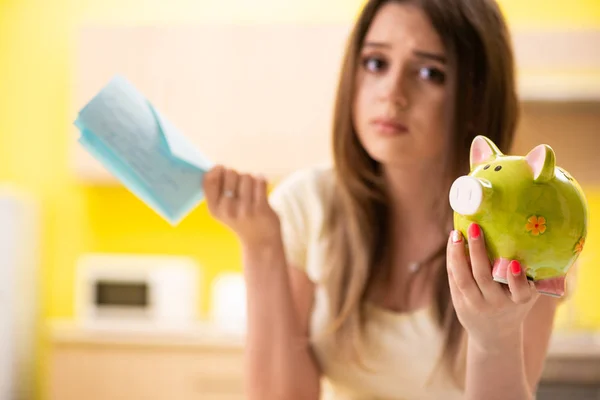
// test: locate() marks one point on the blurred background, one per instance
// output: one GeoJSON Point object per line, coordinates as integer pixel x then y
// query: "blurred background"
{"type": "Point", "coordinates": [103, 299]}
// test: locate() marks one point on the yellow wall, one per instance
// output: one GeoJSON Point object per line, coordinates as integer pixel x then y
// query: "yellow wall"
{"type": "Point", "coordinates": [35, 49]}
{"type": "Point", "coordinates": [552, 13]}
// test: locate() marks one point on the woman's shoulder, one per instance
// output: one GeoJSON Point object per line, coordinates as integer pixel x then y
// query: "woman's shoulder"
{"type": "Point", "coordinates": [301, 200]}
{"type": "Point", "coordinates": [305, 189]}
{"type": "Point", "coordinates": [306, 179]}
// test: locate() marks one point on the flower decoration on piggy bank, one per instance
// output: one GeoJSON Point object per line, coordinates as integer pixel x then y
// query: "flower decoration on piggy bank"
{"type": "Point", "coordinates": [530, 210]}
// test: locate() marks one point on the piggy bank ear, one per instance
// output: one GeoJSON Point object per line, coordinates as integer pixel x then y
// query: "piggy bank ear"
{"type": "Point", "coordinates": [542, 162]}
{"type": "Point", "coordinates": [483, 150]}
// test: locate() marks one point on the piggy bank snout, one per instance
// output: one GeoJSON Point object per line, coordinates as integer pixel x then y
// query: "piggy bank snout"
{"type": "Point", "coordinates": [466, 195]}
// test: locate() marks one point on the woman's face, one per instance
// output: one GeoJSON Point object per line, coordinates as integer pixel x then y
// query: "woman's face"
{"type": "Point", "coordinates": [405, 85]}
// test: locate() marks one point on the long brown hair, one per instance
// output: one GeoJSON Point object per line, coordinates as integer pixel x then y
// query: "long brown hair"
{"type": "Point", "coordinates": [476, 37]}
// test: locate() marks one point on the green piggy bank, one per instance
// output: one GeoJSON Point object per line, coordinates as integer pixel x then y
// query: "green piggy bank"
{"type": "Point", "coordinates": [530, 210]}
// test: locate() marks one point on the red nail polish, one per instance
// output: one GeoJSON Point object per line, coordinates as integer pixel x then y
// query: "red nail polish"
{"type": "Point", "coordinates": [515, 267]}
{"type": "Point", "coordinates": [474, 231]}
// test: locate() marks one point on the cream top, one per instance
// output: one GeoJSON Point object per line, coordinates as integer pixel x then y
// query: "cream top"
{"type": "Point", "coordinates": [403, 348]}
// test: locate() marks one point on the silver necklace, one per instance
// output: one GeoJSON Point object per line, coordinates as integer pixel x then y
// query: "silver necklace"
{"type": "Point", "coordinates": [414, 267]}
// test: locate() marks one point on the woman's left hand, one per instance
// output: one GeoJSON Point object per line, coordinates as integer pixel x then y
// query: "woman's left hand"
{"type": "Point", "coordinates": [490, 312]}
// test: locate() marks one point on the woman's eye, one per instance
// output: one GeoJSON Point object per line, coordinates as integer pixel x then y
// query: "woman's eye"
{"type": "Point", "coordinates": [374, 64]}
{"type": "Point", "coordinates": [433, 74]}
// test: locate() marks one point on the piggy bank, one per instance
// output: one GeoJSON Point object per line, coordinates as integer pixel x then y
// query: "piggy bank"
{"type": "Point", "coordinates": [530, 210]}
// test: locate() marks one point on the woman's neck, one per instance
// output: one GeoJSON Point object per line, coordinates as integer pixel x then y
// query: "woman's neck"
{"type": "Point", "coordinates": [416, 197]}
{"type": "Point", "coordinates": [417, 234]}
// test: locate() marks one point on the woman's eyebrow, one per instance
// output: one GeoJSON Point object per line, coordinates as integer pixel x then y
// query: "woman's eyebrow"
{"type": "Point", "coordinates": [441, 58]}
{"type": "Point", "coordinates": [377, 44]}
{"type": "Point", "coordinates": [431, 56]}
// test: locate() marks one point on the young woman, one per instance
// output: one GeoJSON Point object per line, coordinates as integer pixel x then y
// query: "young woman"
{"type": "Point", "coordinates": [352, 272]}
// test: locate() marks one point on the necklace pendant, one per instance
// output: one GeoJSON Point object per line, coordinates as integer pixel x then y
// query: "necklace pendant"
{"type": "Point", "coordinates": [414, 267]}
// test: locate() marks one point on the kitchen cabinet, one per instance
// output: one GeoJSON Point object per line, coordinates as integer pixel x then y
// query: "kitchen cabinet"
{"type": "Point", "coordinates": [570, 128]}
{"type": "Point", "coordinates": [256, 98]}
{"type": "Point", "coordinates": [568, 391]}
{"type": "Point", "coordinates": [572, 368]}
{"type": "Point", "coordinates": [557, 64]}
{"type": "Point", "coordinates": [125, 366]}
{"type": "Point", "coordinates": [206, 364]}
{"type": "Point", "coordinates": [151, 373]}
{"type": "Point", "coordinates": [260, 97]}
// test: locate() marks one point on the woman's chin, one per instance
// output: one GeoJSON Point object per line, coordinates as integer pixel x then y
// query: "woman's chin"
{"type": "Point", "coordinates": [392, 157]}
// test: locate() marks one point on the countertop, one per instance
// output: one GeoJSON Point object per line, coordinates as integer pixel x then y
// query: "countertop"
{"type": "Point", "coordinates": [573, 358]}
{"type": "Point", "coordinates": [200, 334]}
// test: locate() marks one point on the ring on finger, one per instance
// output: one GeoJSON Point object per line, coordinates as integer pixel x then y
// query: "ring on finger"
{"type": "Point", "coordinates": [229, 194]}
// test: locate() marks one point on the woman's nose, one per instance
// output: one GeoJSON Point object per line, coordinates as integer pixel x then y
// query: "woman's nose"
{"type": "Point", "coordinates": [394, 89]}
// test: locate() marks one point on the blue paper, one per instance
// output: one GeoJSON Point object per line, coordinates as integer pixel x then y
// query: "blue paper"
{"type": "Point", "coordinates": [141, 148]}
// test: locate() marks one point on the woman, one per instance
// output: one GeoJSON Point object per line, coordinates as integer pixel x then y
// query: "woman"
{"type": "Point", "coordinates": [345, 266]}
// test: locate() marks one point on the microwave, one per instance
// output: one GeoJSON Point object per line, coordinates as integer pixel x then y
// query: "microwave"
{"type": "Point", "coordinates": [137, 291]}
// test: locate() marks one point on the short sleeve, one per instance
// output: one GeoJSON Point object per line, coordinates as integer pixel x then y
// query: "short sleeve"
{"type": "Point", "coordinates": [287, 201]}
{"type": "Point", "coordinates": [301, 200]}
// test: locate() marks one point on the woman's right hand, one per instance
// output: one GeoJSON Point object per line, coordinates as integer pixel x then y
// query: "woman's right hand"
{"type": "Point", "coordinates": [240, 202]}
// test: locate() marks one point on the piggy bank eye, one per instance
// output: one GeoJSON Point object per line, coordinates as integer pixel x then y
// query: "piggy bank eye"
{"type": "Point", "coordinates": [487, 166]}
{"type": "Point", "coordinates": [498, 168]}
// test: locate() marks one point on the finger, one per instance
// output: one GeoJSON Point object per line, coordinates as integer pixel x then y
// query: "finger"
{"type": "Point", "coordinates": [459, 266]}
{"type": "Point", "coordinates": [500, 270]}
{"type": "Point", "coordinates": [212, 183]}
{"type": "Point", "coordinates": [260, 192]}
{"type": "Point", "coordinates": [230, 191]}
{"type": "Point", "coordinates": [520, 289]}
{"type": "Point", "coordinates": [246, 194]}
{"type": "Point", "coordinates": [457, 297]}
{"type": "Point", "coordinates": [482, 269]}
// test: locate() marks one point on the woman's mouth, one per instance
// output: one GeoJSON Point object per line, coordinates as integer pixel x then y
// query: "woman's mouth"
{"type": "Point", "coordinates": [389, 127]}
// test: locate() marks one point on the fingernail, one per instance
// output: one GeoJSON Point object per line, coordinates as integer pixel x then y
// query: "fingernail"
{"type": "Point", "coordinates": [456, 236]}
{"type": "Point", "coordinates": [474, 231]}
{"type": "Point", "coordinates": [515, 267]}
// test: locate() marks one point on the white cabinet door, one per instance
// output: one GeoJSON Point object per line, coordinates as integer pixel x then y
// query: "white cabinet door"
{"type": "Point", "coordinates": [145, 372]}
{"type": "Point", "coordinates": [258, 98]}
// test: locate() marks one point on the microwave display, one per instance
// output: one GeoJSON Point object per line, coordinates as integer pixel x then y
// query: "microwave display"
{"type": "Point", "coordinates": [122, 294]}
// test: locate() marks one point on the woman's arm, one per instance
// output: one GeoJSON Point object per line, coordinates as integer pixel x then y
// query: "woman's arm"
{"type": "Point", "coordinates": [279, 362]}
{"type": "Point", "coordinates": [536, 338]}
{"type": "Point", "coordinates": [497, 373]}
{"type": "Point", "coordinates": [508, 330]}
{"type": "Point", "coordinates": [513, 368]}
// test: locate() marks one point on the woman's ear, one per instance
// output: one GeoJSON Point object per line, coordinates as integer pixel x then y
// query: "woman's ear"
{"type": "Point", "coordinates": [483, 150]}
